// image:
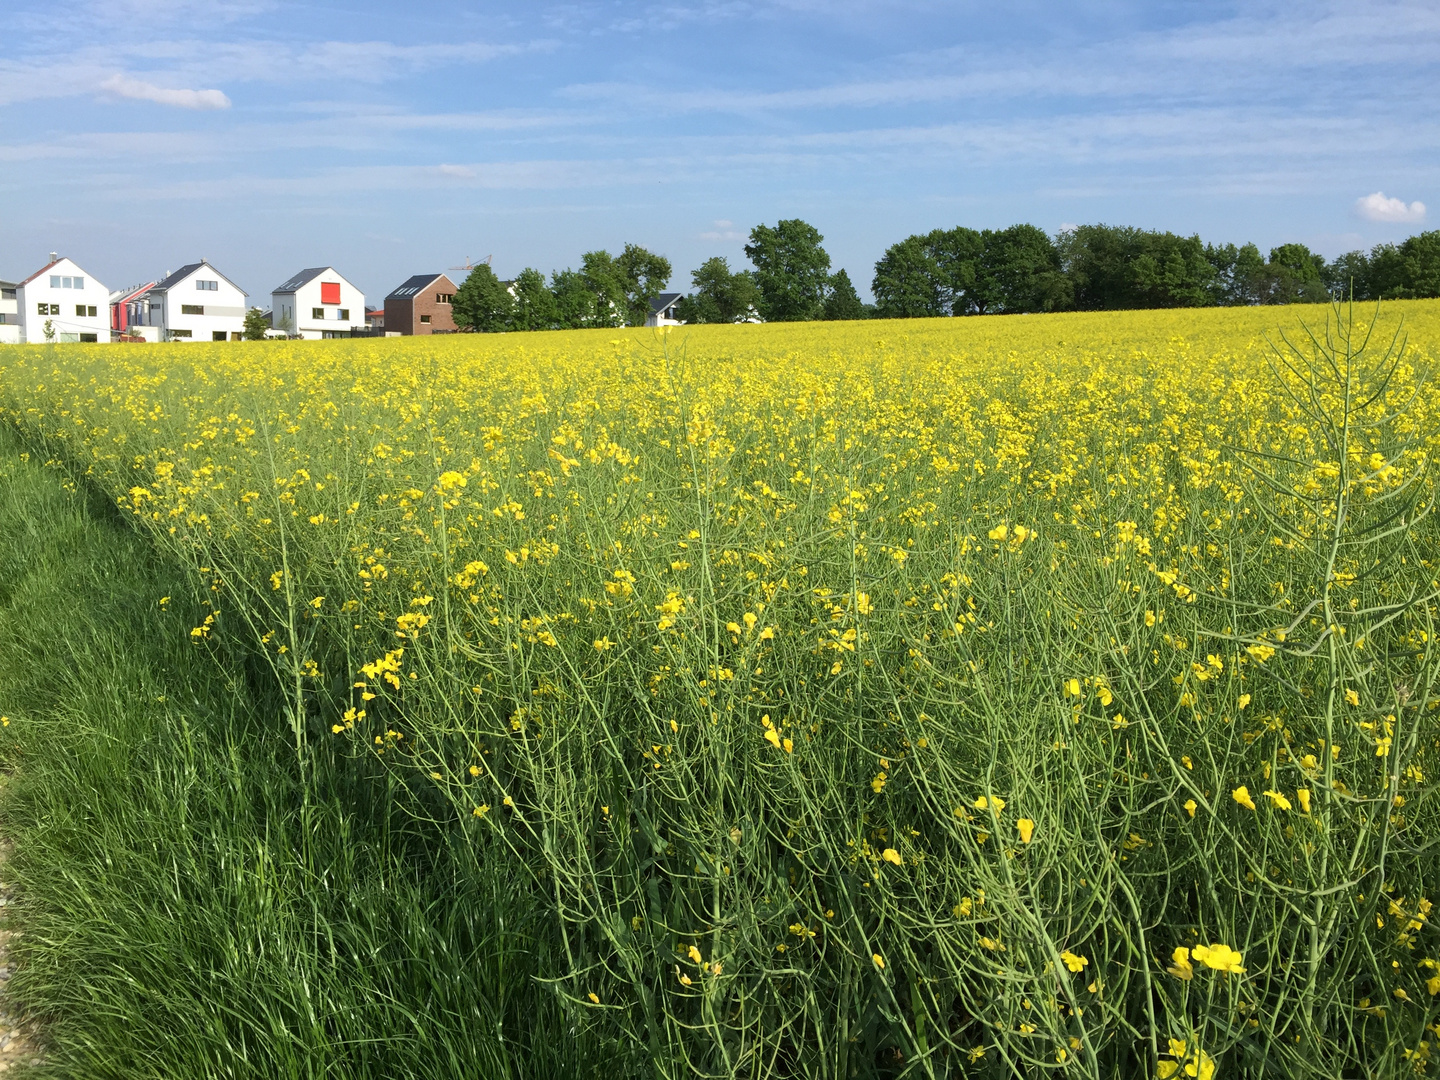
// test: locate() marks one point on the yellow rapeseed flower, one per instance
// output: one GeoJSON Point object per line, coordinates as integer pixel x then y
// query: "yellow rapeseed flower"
{"type": "Point", "coordinates": [1219, 957]}
{"type": "Point", "coordinates": [1074, 962]}
{"type": "Point", "coordinates": [1027, 829]}
{"type": "Point", "coordinates": [1242, 796]}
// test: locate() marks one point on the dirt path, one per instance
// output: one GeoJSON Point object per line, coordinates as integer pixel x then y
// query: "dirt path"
{"type": "Point", "coordinates": [15, 1045]}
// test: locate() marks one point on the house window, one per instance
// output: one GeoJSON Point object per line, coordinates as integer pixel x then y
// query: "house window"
{"type": "Point", "coordinates": [444, 297]}
{"type": "Point", "coordinates": [79, 283]}
{"type": "Point", "coordinates": [55, 281]}
{"type": "Point", "coordinates": [330, 292]}
{"type": "Point", "coordinates": [343, 314]}
{"type": "Point", "coordinates": [180, 333]}
{"type": "Point", "coordinates": [91, 311]}
{"type": "Point", "coordinates": [192, 309]}
{"type": "Point", "coordinates": [218, 335]}
{"type": "Point", "coordinates": [317, 313]}
{"type": "Point", "coordinates": [90, 337]}
{"type": "Point", "coordinates": [44, 309]}
{"type": "Point", "coordinates": [424, 318]}
{"type": "Point", "coordinates": [207, 286]}
{"type": "Point", "coordinates": [80, 310]}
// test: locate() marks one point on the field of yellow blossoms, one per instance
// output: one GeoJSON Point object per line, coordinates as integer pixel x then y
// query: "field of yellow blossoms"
{"type": "Point", "coordinates": [1003, 696]}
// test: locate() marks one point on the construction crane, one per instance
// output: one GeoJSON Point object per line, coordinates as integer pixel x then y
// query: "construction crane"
{"type": "Point", "coordinates": [471, 266]}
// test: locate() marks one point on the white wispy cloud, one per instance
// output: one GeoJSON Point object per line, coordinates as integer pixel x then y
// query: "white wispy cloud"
{"type": "Point", "coordinates": [138, 90]}
{"type": "Point", "coordinates": [1380, 207]}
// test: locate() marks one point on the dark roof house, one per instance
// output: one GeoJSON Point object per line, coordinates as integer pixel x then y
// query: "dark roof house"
{"type": "Point", "coordinates": [421, 305]}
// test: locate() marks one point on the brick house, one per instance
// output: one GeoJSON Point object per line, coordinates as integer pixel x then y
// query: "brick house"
{"type": "Point", "coordinates": [421, 305]}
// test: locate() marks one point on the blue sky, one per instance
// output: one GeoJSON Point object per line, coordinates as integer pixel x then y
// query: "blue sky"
{"type": "Point", "coordinates": [389, 139]}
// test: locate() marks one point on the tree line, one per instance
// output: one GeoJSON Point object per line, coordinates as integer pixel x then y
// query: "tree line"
{"type": "Point", "coordinates": [952, 272]}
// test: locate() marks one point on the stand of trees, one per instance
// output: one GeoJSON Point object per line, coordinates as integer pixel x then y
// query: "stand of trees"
{"type": "Point", "coordinates": [950, 272]}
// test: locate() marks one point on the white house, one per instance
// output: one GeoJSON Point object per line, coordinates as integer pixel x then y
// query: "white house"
{"type": "Point", "coordinates": [318, 303]}
{"type": "Point", "coordinates": [662, 310]}
{"type": "Point", "coordinates": [60, 302]}
{"type": "Point", "coordinates": [9, 314]}
{"type": "Point", "coordinates": [196, 303]}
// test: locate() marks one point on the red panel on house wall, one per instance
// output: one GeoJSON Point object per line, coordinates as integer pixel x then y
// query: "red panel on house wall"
{"type": "Point", "coordinates": [329, 292]}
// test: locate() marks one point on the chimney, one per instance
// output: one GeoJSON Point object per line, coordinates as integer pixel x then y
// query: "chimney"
{"type": "Point", "coordinates": [54, 257]}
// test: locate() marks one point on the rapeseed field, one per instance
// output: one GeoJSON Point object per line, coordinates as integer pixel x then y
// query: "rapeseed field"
{"type": "Point", "coordinates": [1000, 696]}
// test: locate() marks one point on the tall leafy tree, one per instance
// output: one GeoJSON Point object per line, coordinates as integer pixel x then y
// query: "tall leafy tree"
{"type": "Point", "coordinates": [843, 302]}
{"type": "Point", "coordinates": [1019, 271]}
{"type": "Point", "coordinates": [792, 270]}
{"type": "Point", "coordinates": [1420, 258]}
{"type": "Point", "coordinates": [957, 255]}
{"type": "Point", "coordinates": [645, 276]}
{"type": "Point", "coordinates": [908, 282]}
{"type": "Point", "coordinates": [534, 302]}
{"type": "Point", "coordinates": [482, 302]}
{"type": "Point", "coordinates": [1297, 275]}
{"type": "Point", "coordinates": [1117, 267]}
{"type": "Point", "coordinates": [720, 296]}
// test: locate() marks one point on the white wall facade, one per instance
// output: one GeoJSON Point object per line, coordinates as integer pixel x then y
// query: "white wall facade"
{"type": "Point", "coordinates": [305, 312]}
{"type": "Point", "coordinates": [202, 306]}
{"type": "Point", "coordinates": [76, 306]}
{"type": "Point", "coordinates": [9, 314]}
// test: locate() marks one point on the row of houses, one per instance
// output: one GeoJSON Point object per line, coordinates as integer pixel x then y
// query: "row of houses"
{"type": "Point", "coordinates": [61, 302]}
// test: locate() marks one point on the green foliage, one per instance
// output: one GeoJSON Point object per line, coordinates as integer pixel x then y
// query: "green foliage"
{"type": "Point", "coordinates": [256, 325]}
{"type": "Point", "coordinates": [1019, 271]}
{"type": "Point", "coordinates": [483, 302]}
{"type": "Point", "coordinates": [645, 276]}
{"type": "Point", "coordinates": [1116, 268]}
{"type": "Point", "coordinates": [720, 296]}
{"type": "Point", "coordinates": [842, 301]}
{"type": "Point", "coordinates": [535, 307]}
{"type": "Point", "coordinates": [792, 270]}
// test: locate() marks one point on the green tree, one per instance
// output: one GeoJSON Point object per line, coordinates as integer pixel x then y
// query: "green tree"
{"type": "Point", "coordinates": [594, 295]}
{"type": "Point", "coordinates": [534, 307]}
{"type": "Point", "coordinates": [720, 296]}
{"type": "Point", "coordinates": [483, 302]}
{"type": "Point", "coordinates": [605, 278]}
{"type": "Point", "coordinates": [1349, 275]}
{"type": "Point", "coordinates": [792, 270]}
{"type": "Point", "coordinates": [843, 302]}
{"type": "Point", "coordinates": [1420, 260]}
{"type": "Point", "coordinates": [255, 325]}
{"type": "Point", "coordinates": [645, 276]}
{"type": "Point", "coordinates": [908, 282]}
{"type": "Point", "coordinates": [957, 254]}
{"type": "Point", "coordinates": [1113, 267]}
{"type": "Point", "coordinates": [1019, 271]}
{"type": "Point", "coordinates": [1297, 275]}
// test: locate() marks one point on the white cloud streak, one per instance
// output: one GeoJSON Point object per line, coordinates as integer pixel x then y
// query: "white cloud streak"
{"type": "Point", "coordinates": [124, 86]}
{"type": "Point", "coordinates": [1380, 207]}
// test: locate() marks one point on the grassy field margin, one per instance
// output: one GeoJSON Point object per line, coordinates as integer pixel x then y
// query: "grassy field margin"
{"type": "Point", "coordinates": [177, 921]}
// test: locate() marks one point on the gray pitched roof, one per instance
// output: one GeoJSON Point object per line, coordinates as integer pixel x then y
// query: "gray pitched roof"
{"type": "Point", "coordinates": [185, 271]}
{"type": "Point", "coordinates": [301, 278]}
{"type": "Point", "coordinates": [664, 301]}
{"type": "Point", "coordinates": [413, 286]}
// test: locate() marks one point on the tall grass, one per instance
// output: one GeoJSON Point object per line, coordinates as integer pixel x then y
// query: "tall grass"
{"type": "Point", "coordinates": [180, 916]}
{"type": "Point", "coordinates": [949, 708]}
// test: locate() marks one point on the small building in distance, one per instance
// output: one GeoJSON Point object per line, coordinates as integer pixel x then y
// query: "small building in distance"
{"type": "Point", "coordinates": [375, 322]}
{"type": "Point", "coordinates": [318, 303]}
{"type": "Point", "coordinates": [662, 310]}
{"type": "Point", "coordinates": [196, 303]}
{"type": "Point", "coordinates": [9, 314]}
{"type": "Point", "coordinates": [62, 298]}
{"type": "Point", "coordinates": [130, 314]}
{"type": "Point", "coordinates": [421, 305]}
